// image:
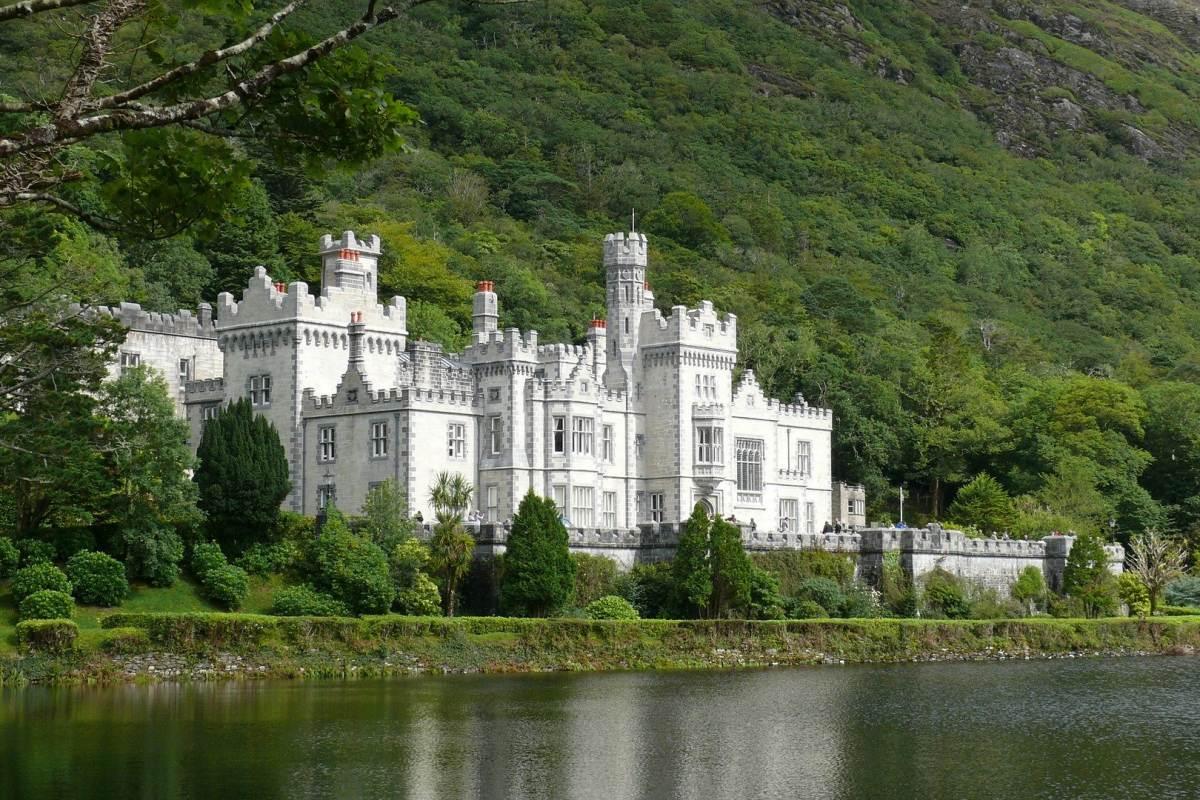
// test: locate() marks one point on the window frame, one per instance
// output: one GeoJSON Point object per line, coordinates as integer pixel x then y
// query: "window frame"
{"type": "Point", "coordinates": [804, 457]}
{"type": "Point", "coordinates": [608, 510]}
{"type": "Point", "coordinates": [749, 456]}
{"type": "Point", "coordinates": [496, 433]}
{"type": "Point", "coordinates": [607, 448]}
{"type": "Point", "coordinates": [380, 433]}
{"type": "Point", "coordinates": [583, 434]}
{"type": "Point", "coordinates": [583, 506]}
{"type": "Point", "coordinates": [712, 451]}
{"type": "Point", "coordinates": [558, 434]}
{"type": "Point", "coordinates": [327, 444]}
{"type": "Point", "coordinates": [456, 441]}
{"type": "Point", "coordinates": [658, 506]}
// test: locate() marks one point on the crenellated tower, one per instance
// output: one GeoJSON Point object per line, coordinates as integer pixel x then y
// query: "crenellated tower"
{"type": "Point", "coordinates": [628, 297]}
{"type": "Point", "coordinates": [350, 264]}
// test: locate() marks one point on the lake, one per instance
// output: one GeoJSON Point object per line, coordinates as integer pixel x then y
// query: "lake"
{"type": "Point", "coordinates": [1085, 728]}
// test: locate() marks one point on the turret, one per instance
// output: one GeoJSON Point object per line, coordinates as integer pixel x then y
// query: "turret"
{"type": "Point", "coordinates": [485, 315]}
{"type": "Point", "coordinates": [350, 264]}
{"type": "Point", "coordinates": [625, 283]}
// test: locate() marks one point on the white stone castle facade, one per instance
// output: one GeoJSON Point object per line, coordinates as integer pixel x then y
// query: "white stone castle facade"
{"type": "Point", "coordinates": [633, 427]}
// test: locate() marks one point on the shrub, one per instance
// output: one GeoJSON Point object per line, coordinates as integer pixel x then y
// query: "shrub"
{"type": "Point", "coordinates": [594, 577]}
{"type": "Point", "coordinates": [1183, 591]}
{"type": "Point", "coordinates": [1134, 594]}
{"type": "Point", "coordinates": [152, 552]}
{"type": "Point", "coordinates": [611, 607]}
{"type": "Point", "coordinates": [264, 559]}
{"type": "Point", "coordinates": [47, 604]}
{"type": "Point", "coordinates": [793, 567]}
{"type": "Point", "coordinates": [945, 595]}
{"type": "Point", "coordinates": [40, 576]}
{"type": "Point", "coordinates": [538, 571]}
{"type": "Point", "coordinates": [822, 591]}
{"type": "Point", "coordinates": [36, 551]}
{"type": "Point", "coordinates": [47, 635]}
{"type": "Point", "coordinates": [99, 579]}
{"type": "Point", "coordinates": [1179, 611]}
{"type": "Point", "coordinates": [765, 600]}
{"type": "Point", "coordinates": [1029, 588]}
{"type": "Point", "coordinates": [650, 588]}
{"type": "Point", "coordinates": [421, 598]}
{"type": "Point", "coordinates": [351, 569]}
{"type": "Point", "coordinates": [305, 601]}
{"type": "Point", "coordinates": [859, 602]}
{"type": "Point", "coordinates": [805, 609]}
{"type": "Point", "coordinates": [10, 557]}
{"type": "Point", "coordinates": [207, 556]}
{"type": "Point", "coordinates": [126, 641]}
{"type": "Point", "coordinates": [986, 603]}
{"type": "Point", "coordinates": [226, 586]}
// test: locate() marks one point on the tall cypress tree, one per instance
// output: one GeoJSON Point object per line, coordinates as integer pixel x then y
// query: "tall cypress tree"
{"type": "Point", "coordinates": [242, 477]}
{"type": "Point", "coordinates": [690, 568]}
{"type": "Point", "coordinates": [538, 571]}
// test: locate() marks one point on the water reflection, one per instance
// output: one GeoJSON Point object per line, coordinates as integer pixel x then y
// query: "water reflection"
{"type": "Point", "coordinates": [1087, 729]}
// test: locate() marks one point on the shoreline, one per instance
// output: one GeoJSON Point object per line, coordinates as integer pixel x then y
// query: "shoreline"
{"type": "Point", "coordinates": [148, 648]}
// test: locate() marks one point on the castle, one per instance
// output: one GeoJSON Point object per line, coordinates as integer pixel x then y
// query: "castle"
{"type": "Point", "coordinates": [627, 432]}
{"type": "Point", "coordinates": [635, 426]}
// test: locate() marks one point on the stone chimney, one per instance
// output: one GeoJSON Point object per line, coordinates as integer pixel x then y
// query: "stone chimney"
{"type": "Point", "coordinates": [597, 338]}
{"type": "Point", "coordinates": [485, 314]}
{"type": "Point", "coordinates": [356, 329]}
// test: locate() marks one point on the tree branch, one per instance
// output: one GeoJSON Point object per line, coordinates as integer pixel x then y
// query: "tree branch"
{"type": "Point", "coordinates": [205, 60]}
{"type": "Point", "coordinates": [28, 8]}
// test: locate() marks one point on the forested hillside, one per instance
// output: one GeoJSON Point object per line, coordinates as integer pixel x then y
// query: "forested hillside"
{"type": "Point", "coordinates": [969, 228]}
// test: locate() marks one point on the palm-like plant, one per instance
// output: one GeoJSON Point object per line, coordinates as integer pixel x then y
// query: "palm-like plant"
{"type": "Point", "coordinates": [451, 548]}
{"type": "Point", "coordinates": [451, 496]}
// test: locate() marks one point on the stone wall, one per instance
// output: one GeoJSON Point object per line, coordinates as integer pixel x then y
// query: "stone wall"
{"type": "Point", "coordinates": [994, 563]}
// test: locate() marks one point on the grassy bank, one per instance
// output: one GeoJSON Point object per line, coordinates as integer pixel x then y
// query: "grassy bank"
{"type": "Point", "coordinates": [133, 646]}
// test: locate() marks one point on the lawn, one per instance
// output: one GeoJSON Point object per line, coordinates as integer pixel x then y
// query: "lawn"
{"type": "Point", "coordinates": [183, 596]}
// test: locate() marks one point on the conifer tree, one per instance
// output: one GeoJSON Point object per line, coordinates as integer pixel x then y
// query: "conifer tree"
{"type": "Point", "coordinates": [731, 571]}
{"type": "Point", "coordinates": [242, 477]}
{"type": "Point", "coordinates": [691, 569]}
{"type": "Point", "coordinates": [538, 571]}
{"type": "Point", "coordinates": [1086, 578]}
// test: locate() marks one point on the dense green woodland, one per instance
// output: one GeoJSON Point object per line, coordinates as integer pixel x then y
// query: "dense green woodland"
{"type": "Point", "coordinates": [904, 231]}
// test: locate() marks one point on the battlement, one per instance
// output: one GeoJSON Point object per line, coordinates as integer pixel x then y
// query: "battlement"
{"type": "Point", "coordinates": [560, 351]}
{"type": "Point", "coordinates": [351, 244]}
{"type": "Point", "coordinates": [709, 411]}
{"type": "Point", "coordinates": [136, 318]}
{"type": "Point", "coordinates": [205, 387]}
{"type": "Point", "coordinates": [699, 327]}
{"type": "Point", "coordinates": [625, 250]}
{"type": "Point", "coordinates": [405, 397]}
{"type": "Point", "coordinates": [503, 345]}
{"type": "Point", "coordinates": [267, 301]}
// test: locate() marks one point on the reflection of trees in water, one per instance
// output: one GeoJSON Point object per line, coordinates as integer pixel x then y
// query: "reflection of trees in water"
{"type": "Point", "coordinates": [1034, 729]}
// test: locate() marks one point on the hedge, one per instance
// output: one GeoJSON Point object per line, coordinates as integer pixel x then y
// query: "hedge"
{"type": "Point", "coordinates": [36, 577]}
{"type": "Point", "coordinates": [47, 635]}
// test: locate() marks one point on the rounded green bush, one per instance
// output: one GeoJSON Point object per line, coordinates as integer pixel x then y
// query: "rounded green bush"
{"type": "Point", "coordinates": [421, 599]}
{"type": "Point", "coordinates": [822, 591]}
{"type": "Point", "coordinates": [227, 586]}
{"type": "Point", "coordinates": [807, 609]}
{"type": "Point", "coordinates": [10, 556]}
{"type": "Point", "coordinates": [305, 601]}
{"type": "Point", "coordinates": [99, 578]}
{"type": "Point", "coordinates": [36, 577]}
{"type": "Point", "coordinates": [206, 557]}
{"type": "Point", "coordinates": [36, 551]}
{"type": "Point", "coordinates": [47, 604]}
{"type": "Point", "coordinates": [611, 607]}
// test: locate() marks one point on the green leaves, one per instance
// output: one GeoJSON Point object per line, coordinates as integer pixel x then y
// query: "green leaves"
{"type": "Point", "coordinates": [163, 181]}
